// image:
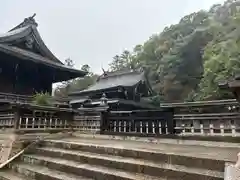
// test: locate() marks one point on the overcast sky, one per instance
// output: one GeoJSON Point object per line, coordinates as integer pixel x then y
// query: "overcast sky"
{"type": "Point", "coordinates": [93, 31]}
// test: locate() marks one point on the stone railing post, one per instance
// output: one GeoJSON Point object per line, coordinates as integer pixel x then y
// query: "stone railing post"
{"type": "Point", "coordinates": [232, 172]}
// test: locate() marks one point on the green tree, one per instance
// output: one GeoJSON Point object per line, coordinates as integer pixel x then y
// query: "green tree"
{"type": "Point", "coordinates": [126, 60]}
{"type": "Point", "coordinates": [77, 84]}
{"type": "Point", "coordinates": [221, 61]}
{"type": "Point", "coordinates": [187, 60]}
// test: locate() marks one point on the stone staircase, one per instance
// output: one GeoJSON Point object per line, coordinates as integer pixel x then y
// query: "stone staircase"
{"type": "Point", "coordinates": [105, 158]}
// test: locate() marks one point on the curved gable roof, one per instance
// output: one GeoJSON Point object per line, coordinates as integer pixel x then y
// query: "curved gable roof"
{"type": "Point", "coordinates": [27, 30]}
{"type": "Point", "coordinates": [115, 79]}
{"type": "Point", "coordinates": [25, 42]}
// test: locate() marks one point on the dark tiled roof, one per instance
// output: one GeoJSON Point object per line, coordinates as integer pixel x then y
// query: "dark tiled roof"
{"type": "Point", "coordinates": [28, 30]}
{"type": "Point", "coordinates": [30, 56]}
{"type": "Point", "coordinates": [15, 34]}
{"type": "Point", "coordinates": [127, 79]}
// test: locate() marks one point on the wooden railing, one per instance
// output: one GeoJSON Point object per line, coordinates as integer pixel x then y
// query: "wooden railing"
{"type": "Point", "coordinates": [87, 122]}
{"type": "Point", "coordinates": [28, 117]}
{"type": "Point", "coordinates": [224, 124]}
{"type": "Point", "coordinates": [42, 122]}
{"type": "Point", "coordinates": [216, 103]}
{"type": "Point", "coordinates": [16, 97]}
{"type": "Point", "coordinates": [148, 123]}
{"type": "Point", "coordinates": [89, 119]}
{"type": "Point", "coordinates": [207, 118]}
{"type": "Point", "coordinates": [58, 102]}
{"type": "Point", "coordinates": [6, 120]}
{"type": "Point", "coordinates": [33, 118]}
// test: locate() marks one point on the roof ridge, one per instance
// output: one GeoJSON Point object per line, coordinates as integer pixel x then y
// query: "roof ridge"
{"type": "Point", "coordinates": [27, 21]}
{"type": "Point", "coordinates": [119, 73]}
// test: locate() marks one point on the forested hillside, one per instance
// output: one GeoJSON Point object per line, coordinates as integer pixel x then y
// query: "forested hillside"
{"type": "Point", "coordinates": [186, 61]}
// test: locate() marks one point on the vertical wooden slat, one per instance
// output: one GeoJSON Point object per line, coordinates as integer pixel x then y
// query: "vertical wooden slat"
{"type": "Point", "coordinates": [26, 125]}
{"type": "Point", "coordinates": [233, 128]}
{"type": "Point", "coordinates": [160, 127]}
{"type": "Point", "coordinates": [20, 122]}
{"type": "Point", "coordinates": [50, 122]}
{"type": "Point", "coordinates": [124, 126]}
{"type": "Point", "coordinates": [119, 126]}
{"type": "Point", "coordinates": [166, 127]}
{"type": "Point", "coordinates": [147, 130]}
{"type": "Point", "coordinates": [222, 129]}
{"type": "Point", "coordinates": [33, 122]}
{"type": "Point", "coordinates": [183, 129]}
{"type": "Point", "coordinates": [115, 126]}
{"type": "Point", "coordinates": [211, 129]}
{"type": "Point", "coordinates": [192, 130]}
{"type": "Point", "coordinates": [201, 129]}
{"type": "Point", "coordinates": [153, 127]}
{"type": "Point", "coordinates": [56, 122]}
{"type": "Point", "coordinates": [141, 127]}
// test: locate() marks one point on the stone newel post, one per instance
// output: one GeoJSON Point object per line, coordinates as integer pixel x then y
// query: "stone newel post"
{"type": "Point", "coordinates": [232, 172]}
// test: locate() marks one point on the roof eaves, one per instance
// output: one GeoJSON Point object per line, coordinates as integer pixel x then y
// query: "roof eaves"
{"type": "Point", "coordinates": [42, 45]}
{"type": "Point", "coordinates": [24, 54]}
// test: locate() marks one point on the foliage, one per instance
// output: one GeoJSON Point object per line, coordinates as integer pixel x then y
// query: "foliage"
{"type": "Point", "coordinates": [156, 100]}
{"type": "Point", "coordinates": [77, 84]}
{"type": "Point", "coordinates": [187, 60]}
{"type": "Point", "coordinates": [221, 61]}
{"type": "Point", "coordinates": [42, 99]}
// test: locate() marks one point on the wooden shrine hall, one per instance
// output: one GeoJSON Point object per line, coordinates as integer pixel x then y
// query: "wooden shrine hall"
{"type": "Point", "coordinates": [27, 66]}
{"type": "Point", "coordinates": [122, 90]}
{"type": "Point", "coordinates": [232, 86]}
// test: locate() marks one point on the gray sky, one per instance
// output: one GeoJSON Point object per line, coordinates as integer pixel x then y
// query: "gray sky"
{"type": "Point", "coordinates": [93, 31]}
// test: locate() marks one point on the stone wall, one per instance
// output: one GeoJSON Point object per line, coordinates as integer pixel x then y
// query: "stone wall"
{"type": "Point", "coordinates": [7, 140]}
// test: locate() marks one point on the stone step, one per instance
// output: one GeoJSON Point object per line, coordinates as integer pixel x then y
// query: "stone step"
{"type": "Point", "coordinates": [158, 140]}
{"type": "Point", "coordinates": [131, 165]}
{"type": "Point", "coordinates": [10, 175]}
{"type": "Point", "coordinates": [226, 153]}
{"type": "Point", "coordinates": [163, 156]}
{"type": "Point", "coordinates": [86, 170]}
{"type": "Point", "coordinates": [37, 172]}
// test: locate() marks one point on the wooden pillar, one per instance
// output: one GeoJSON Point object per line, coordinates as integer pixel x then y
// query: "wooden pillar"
{"type": "Point", "coordinates": [104, 121]}
{"type": "Point", "coordinates": [16, 79]}
{"type": "Point", "coordinates": [133, 123]}
{"type": "Point", "coordinates": [70, 121]}
{"type": "Point", "coordinates": [16, 111]}
{"type": "Point", "coordinates": [171, 124]}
